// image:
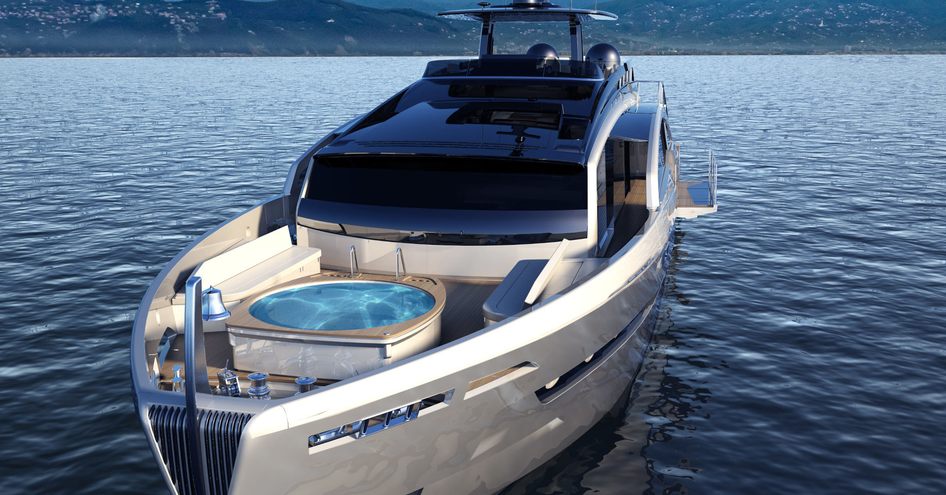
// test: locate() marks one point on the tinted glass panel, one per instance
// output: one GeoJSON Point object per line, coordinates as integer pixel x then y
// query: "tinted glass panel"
{"type": "Point", "coordinates": [449, 183]}
{"type": "Point", "coordinates": [513, 66]}
{"type": "Point", "coordinates": [527, 114]}
{"type": "Point", "coordinates": [522, 91]}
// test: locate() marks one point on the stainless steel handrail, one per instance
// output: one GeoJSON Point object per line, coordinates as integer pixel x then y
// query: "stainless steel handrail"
{"type": "Point", "coordinates": [195, 377]}
{"type": "Point", "coordinates": [398, 263]}
{"type": "Point", "coordinates": [712, 177]}
{"type": "Point", "coordinates": [661, 90]}
{"type": "Point", "coordinates": [353, 261]}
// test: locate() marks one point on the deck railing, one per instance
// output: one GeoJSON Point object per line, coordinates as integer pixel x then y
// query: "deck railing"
{"type": "Point", "coordinates": [713, 176]}
{"type": "Point", "coordinates": [660, 91]}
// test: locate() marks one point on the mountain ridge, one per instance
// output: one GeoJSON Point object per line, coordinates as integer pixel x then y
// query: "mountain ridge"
{"type": "Point", "coordinates": [359, 27]}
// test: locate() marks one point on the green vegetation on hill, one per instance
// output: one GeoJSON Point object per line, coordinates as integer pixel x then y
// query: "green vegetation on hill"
{"type": "Point", "coordinates": [376, 27]}
{"type": "Point", "coordinates": [195, 27]}
{"type": "Point", "coordinates": [782, 25]}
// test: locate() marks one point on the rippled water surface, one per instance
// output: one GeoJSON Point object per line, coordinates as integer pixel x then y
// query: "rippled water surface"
{"type": "Point", "coordinates": [801, 347]}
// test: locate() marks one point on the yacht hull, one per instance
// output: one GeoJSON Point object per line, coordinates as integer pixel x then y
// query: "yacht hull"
{"type": "Point", "coordinates": [484, 439]}
{"type": "Point", "coordinates": [471, 415]}
{"type": "Point", "coordinates": [549, 431]}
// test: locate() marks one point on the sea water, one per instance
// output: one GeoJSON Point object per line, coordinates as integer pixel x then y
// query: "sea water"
{"type": "Point", "coordinates": [800, 347]}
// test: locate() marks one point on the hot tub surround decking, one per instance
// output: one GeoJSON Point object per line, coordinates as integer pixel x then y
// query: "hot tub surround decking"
{"type": "Point", "coordinates": [462, 315]}
{"type": "Point", "coordinates": [333, 354]}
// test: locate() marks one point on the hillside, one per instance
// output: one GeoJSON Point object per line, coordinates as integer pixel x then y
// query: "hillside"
{"type": "Point", "coordinates": [339, 27]}
{"type": "Point", "coordinates": [781, 25]}
{"type": "Point", "coordinates": [428, 6]}
{"type": "Point", "coordinates": [190, 27]}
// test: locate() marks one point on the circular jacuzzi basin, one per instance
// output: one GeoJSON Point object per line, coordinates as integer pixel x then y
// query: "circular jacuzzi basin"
{"type": "Point", "coordinates": [342, 306]}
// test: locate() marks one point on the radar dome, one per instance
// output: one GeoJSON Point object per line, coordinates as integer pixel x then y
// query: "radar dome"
{"type": "Point", "coordinates": [605, 56]}
{"type": "Point", "coordinates": [543, 50]}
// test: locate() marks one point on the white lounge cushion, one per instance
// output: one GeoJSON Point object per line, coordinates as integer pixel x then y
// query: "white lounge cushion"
{"type": "Point", "coordinates": [243, 257]}
{"type": "Point", "coordinates": [293, 263]}
{"type": "Point", "coordinates": [509, 297]}
{"type": "Point", "coordinates": [269, 260]}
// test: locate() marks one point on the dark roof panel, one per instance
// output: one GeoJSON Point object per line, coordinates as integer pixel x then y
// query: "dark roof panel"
{"type": "Point", "coordinates": [465, 129]}
{"type": "Point", "coordinates": [530, 118]}
{"type": "Point", "coordinates": [528, 11]}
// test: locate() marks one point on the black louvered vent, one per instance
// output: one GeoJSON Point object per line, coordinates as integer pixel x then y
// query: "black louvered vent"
{"type": "Point", "coordinates": [220, 432]}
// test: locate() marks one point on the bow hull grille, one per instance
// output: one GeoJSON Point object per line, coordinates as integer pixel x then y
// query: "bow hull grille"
{"type": "Point", "coordinates": [220, 433]}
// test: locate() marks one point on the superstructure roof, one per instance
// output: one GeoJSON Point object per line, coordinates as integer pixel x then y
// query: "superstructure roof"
{"type": "Point", "coordinates": [541, 118]}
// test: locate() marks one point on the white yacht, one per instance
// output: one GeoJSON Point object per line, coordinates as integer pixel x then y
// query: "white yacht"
{"type": "Point", "coordinates": [450, 290]}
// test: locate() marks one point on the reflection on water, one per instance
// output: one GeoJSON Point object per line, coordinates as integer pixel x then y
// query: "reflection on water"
{"type": "Point", "coordinates": [658, 407]}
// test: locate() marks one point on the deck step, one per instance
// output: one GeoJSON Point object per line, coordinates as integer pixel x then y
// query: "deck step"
{"type": "Point", "coordinates": [695, 198]}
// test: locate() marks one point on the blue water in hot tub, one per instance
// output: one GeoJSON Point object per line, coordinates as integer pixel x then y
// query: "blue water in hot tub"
{"type": "Point", "coordinates": [342, 306]}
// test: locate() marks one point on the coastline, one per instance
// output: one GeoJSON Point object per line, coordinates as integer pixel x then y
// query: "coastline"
{"type": "Point", "coordinates": [644, 53]}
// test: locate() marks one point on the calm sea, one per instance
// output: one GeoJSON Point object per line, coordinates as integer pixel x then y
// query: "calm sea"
{"type": "Point", "coordinates": [801, 348]}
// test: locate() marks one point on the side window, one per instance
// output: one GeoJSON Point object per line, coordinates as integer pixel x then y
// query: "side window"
{"type": "Point", "coordinates": [662, 154]}
{"type": "Point", "coordinates": [610, 178]}
{"type": "Point", "coordinates": [622, 182]}
{"type": "Point", "coordinates": [611, 184]}
{"type": "Point", "coordinates": [667, 141]}
{"type": "Point", "coordinates": [605, 193]}
{"type": "Point", "coordinates": [636, 156]}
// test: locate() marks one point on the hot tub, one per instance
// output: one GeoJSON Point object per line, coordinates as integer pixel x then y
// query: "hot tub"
{"type": "Point", "coordinates": [336, 327]}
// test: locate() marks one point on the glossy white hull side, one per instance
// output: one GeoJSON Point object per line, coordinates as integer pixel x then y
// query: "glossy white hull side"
{"type": "Point", "coordinates": [485, 406]}
{"type": "Point", "coordinates": [480, 442]}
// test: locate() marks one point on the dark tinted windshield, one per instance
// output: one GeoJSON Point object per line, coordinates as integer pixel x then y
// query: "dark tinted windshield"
{"type": "Point", "coordinates": [449, 183]}
{"type": "Point", "coordinates": [505, 65]}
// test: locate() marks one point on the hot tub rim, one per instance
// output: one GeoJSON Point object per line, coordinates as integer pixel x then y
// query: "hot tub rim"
{"type": "Point", "coordinates": [243, 323]}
